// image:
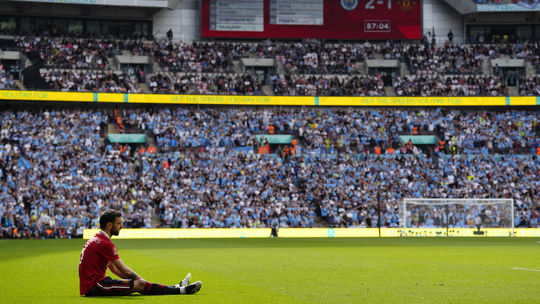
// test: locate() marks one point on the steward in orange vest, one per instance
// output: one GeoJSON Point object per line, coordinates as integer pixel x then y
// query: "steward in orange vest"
{"type": "Point", "coordinates": [441, 145]}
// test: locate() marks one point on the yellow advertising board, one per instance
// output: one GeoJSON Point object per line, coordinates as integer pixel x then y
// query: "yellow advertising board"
{"type": "Point", "coordinates": [222, 100]}
{"type": "Point", "coordinates": [327, 232]}
{"type": "Point", "coordinates": [188, 233]}
{"type": "Point", "coordinates": [412, 101]}
{"type": "Point", "coordinates": [185, 233]}
{"type": "Point", "coordinates": [460, 232]}
{"type": "Point", "coordinates": [450, 101]}
{"type": "Point", "coordinates": [46, 96]}
{"type": "Point", "coordinates": [390, 101]}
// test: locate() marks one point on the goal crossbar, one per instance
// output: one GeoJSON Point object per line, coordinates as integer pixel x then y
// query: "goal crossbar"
{"type": "Point", "coordinates": [453, 201]}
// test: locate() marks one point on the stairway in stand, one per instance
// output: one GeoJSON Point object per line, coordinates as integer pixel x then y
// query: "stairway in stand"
{"type": "Point", "coordinates": [389, 90]}
{"type": "Point", "coordinates": [20, 85]}
{"type": "Point", "coordinates": [112, 129]}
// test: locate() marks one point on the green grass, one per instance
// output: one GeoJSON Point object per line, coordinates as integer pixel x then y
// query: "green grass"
{"type": "Point", "coordinates": [401, 270]}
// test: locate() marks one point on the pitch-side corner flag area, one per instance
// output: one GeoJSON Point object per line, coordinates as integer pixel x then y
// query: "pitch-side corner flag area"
{"type": "Point", "coordinates": [355, 270]}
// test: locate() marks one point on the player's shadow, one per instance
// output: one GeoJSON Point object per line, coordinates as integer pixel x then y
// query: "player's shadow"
{"type": "Point", "coordinates": [138, 297]}
{"type": "Point", "coordinates": [123, 298]}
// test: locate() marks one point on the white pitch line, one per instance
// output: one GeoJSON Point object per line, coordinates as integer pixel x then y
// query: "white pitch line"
{"type": "Point", "coordinates": [526, 269]}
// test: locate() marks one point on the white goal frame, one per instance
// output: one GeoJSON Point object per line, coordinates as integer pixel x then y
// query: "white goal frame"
{"type": "Point", "coordinates": [453, 201]}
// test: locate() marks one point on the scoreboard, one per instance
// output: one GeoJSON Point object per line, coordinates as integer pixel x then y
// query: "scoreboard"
{"type": "Point", "coordinates": [328, 19]}
{"type": "Point", "coordinates": [308, 12]}
{"type": "Point", "coordinates": [237, 15]}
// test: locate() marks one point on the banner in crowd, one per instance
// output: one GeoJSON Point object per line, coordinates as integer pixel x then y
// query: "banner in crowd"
{"type": "Point", "coordinates": [239, 100]}
{"type": "Point", "coordinates": [127, 138]}
{"type": "Point", "coordinates": [183, 233]}
{"type": "Point", "coordinates": [519, 6]}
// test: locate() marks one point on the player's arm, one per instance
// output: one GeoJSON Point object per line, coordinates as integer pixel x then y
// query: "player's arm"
{"type": "Point", "coordinates": [115, 270]}
{"type": "Point", "coordinates": [123, 270]}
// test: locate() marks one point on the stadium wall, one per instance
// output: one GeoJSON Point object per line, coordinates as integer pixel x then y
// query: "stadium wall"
{"type": "Point", "coordinates": [184, 21]}
{"type": "Point", "coordinates": [438, 15]}
{"type": "Point", "coordinates": [64, 10]}
{"type": "Point", "coordinates": [185, 18]}
{"type": "Point", "coordinates": [187, 233]}
{"type": "Point", "coordinates": [46, 96]}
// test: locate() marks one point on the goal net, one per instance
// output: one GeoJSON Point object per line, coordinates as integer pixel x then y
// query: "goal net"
{"type": "Point", "coordinates": [449, 213]}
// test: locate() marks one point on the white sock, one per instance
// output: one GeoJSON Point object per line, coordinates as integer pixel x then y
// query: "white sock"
{"type": "Point", "coordinates": [182, 290]}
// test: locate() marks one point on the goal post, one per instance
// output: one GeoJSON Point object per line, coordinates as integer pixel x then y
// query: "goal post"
{"type": "Point", "coordinates": [457, 214]}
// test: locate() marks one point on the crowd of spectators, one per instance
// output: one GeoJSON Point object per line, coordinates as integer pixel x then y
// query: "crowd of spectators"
{"type": "Point", "coordinates": [223, 84]}
{"type": "Point", "coordinates": [445, 60]}
{"type": "Point", "coordinates": [300, 58]}
{"type": "Point", "coordinates": [196, 57]}
{"type": "Point", "coordinates": [343, 191]}
{"type": "Point", "coordinates": [57, 172]}
{"type": "Point", "coordinates": [310, 68]}
{"type": "Point", "coordinates": [457, 85]}
{"type": "Point", "coordinates": [413, 85]}
{"type": "Point", "coordinates": [56, 176]}
{"type": "Point", "coordinates": [318, 85]}
{"type": "Point", "coordinates": [90, 81]}
{"type": "Point", "coordinates": [348, 130]}
{"type": "Point", "coordinates": [6, 79]}
{"type": "Point", "coordinates": [70, 53]}
{"type": "Point", "coordinates": [529, 86]}
{"type": "Point", "coordinates": [317, 58]}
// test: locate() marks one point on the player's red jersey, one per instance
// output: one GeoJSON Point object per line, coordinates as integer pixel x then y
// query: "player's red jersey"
{"type": "Point", "coordinates": [96, 254]}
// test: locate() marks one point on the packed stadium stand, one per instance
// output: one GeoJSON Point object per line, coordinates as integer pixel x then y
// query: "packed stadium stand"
{"type": "Point", "coordinates": [211, 68]}
{"type": "Point", "coordinates": [208, 177]}
{"type": "Point", "coordinates": [213, 167]}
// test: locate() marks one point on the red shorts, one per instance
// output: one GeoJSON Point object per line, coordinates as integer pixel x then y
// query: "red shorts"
{"type": "Point", "coordinates": [111, 287]}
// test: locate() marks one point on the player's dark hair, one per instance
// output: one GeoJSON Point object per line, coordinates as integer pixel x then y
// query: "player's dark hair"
{"type": "Point", "coordinates": [109, 216]}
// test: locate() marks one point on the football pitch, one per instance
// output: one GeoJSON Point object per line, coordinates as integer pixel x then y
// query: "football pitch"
{"type": "Point", "coordinates": [394, 270]}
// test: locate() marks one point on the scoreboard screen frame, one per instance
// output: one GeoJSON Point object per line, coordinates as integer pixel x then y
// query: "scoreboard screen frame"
{"type": "Point", "coordinates": [343, 19]}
